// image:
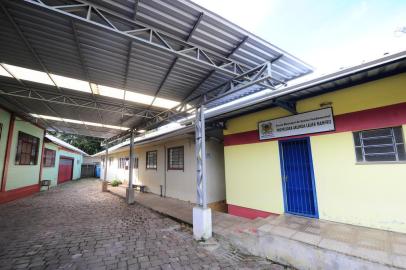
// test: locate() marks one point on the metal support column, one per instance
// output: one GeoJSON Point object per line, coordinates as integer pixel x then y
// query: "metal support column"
{"type": "Point", "coordinates": [104, 183]}
{"type": "Point", "coordinates": [200, 135]}
{"type": "Point", "coordinates": [202, 226]}
{"type": "Point", "coordinates": [130, 189]}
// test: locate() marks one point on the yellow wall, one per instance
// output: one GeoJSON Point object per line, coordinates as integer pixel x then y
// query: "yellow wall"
{"type": "Point", "coordinates": [370, 95]}
{"type": "Point", "coordinates": [369, 195]}
{"type": "Point", "coordinates": [253, 177]}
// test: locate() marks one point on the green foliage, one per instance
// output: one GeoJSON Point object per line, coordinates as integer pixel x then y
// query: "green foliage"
{"type": "Point", "coordinates": [90, 145]}
{"type": "Point", "coordinates": [116, 183]}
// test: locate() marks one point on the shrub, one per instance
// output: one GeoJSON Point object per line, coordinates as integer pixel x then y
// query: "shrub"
{"type": "Point", "coordinates": [116, 183]}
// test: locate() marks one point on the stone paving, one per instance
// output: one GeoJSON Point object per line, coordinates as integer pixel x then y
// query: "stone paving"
{"type": "Point", "coordinates": [304, 243]}
{"type": "Point", "coordinates": [76, 226]}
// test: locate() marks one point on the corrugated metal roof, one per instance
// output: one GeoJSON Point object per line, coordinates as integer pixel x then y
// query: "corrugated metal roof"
{"type": "Point", "coordinates": [385, 66]}
{"type": "Point", "coordinates": [147, 140]}
{"type": "Point", "coordinates": [54, 41]}
{"type": "Point", "coordinates": [62, 143]}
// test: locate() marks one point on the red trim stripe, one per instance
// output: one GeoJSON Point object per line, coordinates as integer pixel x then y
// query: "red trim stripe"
{"type": "Point", "coordinates": [247, 212]}
{"type": "Point", "coordinates": [8, 151]}
{"type": "Point", "coordinates": [18, 193]}
{"type": "Point", "coordinates": [393, 115]}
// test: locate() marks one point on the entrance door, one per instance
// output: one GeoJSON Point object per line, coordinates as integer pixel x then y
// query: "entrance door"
{"type": "Point", "coordinates": [65, 169]}
{"type": "Point", "coordinates": [298, 177]}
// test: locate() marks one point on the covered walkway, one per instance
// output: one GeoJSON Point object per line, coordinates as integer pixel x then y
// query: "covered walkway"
{"type": "Point", "coordinates": [296, 240]}
{"type": "Point", "coordinates": [122, 69]}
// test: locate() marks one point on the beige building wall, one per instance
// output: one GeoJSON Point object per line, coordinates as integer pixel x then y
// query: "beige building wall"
{"type": "Point", "coordinates": [116, 173]}
{"type": "Point", "coordinates": [178, 184]}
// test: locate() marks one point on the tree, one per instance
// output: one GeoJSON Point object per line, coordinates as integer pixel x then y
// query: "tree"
{"type": "Point", "coordinates": [87, 144]}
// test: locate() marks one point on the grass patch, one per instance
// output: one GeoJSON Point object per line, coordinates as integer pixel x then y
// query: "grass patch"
{"type": "Point", "coordinates": [116, 183]}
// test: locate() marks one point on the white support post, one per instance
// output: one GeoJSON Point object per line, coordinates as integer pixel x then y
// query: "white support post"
{"type": "Point", "coordinates": [130, 190]}
{"type": "Point", "coordinates": [202, 223]}
{"type": "Point", "coordinates": [104, 182]}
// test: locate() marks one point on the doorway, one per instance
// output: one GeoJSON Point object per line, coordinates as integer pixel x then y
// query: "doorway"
{"type": "Point", "coordinates": [298, 177]}
{"type": "Point", "coordinates": [65, 169]}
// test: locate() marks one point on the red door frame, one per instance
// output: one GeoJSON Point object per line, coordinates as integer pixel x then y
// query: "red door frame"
{"type": "Point", "coordinates": [8, 151]}
{"type": "Point", "coordinates": [73, 164]}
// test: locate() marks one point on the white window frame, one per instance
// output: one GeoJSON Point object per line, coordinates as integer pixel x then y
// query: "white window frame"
{"type": "Point", "coordinates": [394, 145]}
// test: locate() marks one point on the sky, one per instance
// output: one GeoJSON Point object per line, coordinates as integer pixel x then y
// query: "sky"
{"type": "Point", "coordinates": [328, 34]}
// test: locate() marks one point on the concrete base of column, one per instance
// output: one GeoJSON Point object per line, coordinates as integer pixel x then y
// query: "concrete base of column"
{"type": "Point", "coordinates": [104, 186]}
{"type": "Point", "coordinates": [130, 195]}
{"type": "Point", "coordinates": [202, 225]}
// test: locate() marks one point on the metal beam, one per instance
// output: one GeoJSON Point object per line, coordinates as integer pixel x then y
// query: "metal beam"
{"type": "Point", "coordinates": [188, 96]}
{"type": "Point", "coordinates": [259, 75]}
{"type": "Point", "coordinates": [26, 111]}
{"type": "Point", "coordinates": [236, 48]}
{"type": "Point", "coordinates": [34, 54]}
{"type": "Point", "coordinates": [287, 105]}
{"type": "Point", "coordinates": [177, 58]}
{"type": "Point", "coordinates": [84, 68]}
{"type": "Point", "coordinates": [127, 70]}
{"type": "Point", "coordinates": [195, 26]}
{"type": "Point", "coordinates": [60, 99]}
{"type": "Point", "coordinates": [25, 88]}
{"type": "Point", "coordinates": [155, 38]}
{"type": "Point", "coordinates": [197, 23]}
{"type": "Point", "coordinates": [136, 4]}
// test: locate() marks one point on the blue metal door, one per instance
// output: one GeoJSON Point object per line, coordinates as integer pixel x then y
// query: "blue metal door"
{"type": "Point", "coordinates": [298, 177]}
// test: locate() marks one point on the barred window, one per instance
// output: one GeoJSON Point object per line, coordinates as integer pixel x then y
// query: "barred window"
{"type": "Point", "coordinates": [110, 161]}
{"type": "Point", "coordinates": [135, 163]}
{"type": "Point", "coordinates": [127, 163]}
{"type": "Point", "coordinates": [152, 157]}
{"type": "Point", "coordinates": [176, 158]}
{"type": "Point", "coordinates": [385, 144]}
{"type": "Point", "coordinates": [27, 149]}
{"type": "Point", "coordinates": [122, 163]}
{"type": "Point", "coordinates": [49, 158]}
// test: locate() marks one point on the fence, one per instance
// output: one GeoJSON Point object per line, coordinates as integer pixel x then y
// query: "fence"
{"type": "Point", "coordinates": [88, 170]}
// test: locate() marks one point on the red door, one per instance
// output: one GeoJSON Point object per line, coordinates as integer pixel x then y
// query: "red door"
{"type": "Point", "coordinates": [65, 169]}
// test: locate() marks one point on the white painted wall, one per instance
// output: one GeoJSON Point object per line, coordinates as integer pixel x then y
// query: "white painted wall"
{"type": "Point", "coordinates": [152, 178]}
{"type": "Point", "coordinates": [216, 187]}
{"type": "Point", "coordinates": [182, 183]}
{"type": "Point", "coordinates": [179, 184]}
{"type": "Point", "coordinates": [115, 173]}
